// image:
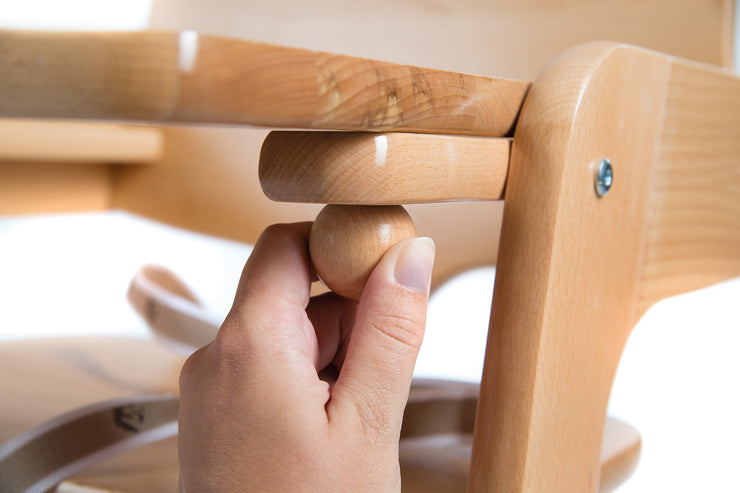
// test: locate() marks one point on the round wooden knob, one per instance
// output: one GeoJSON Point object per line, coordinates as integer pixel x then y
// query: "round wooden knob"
{"type": "Point", "coordinates": [347, 241]}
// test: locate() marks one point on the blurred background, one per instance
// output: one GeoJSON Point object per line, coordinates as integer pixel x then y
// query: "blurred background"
{"type": "Point", "coordinates": [73, 231]}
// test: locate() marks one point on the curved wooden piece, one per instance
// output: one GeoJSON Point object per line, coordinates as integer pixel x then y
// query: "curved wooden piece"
{"type": "Point", "coordinates": [381, 169]}
{"type": "Point", "coordinates": [436, 438]}
{"type": "Point", "coordinates": [65, 373]}
{"type": "Point", "coordinates": [569, 269]}
{"type": "Point", "coordinates": [61, 374]}
{"type": "Point", "coordinates": [170, 309]}
{"type": "Point", "coordinates": [191, 77]}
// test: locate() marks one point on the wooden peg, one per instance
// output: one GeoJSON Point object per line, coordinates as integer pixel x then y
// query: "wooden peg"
{"type": "Point", "coordinates": [365, 168]}
{"type": "Point", "coordinates": [346, 242]}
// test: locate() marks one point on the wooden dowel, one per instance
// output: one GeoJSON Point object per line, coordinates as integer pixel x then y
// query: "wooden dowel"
{"type": "Point", "coordinates": [191, 77]}
{"type": "Point", "coordinates": [382, 169]}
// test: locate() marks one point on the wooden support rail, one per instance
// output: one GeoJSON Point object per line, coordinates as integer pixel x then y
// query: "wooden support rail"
{"type": "Point", "coordinates": [382, 169]}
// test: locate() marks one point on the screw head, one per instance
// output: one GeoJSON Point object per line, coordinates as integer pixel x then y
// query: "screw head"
{"type": "Point", "coordinates": [604, 177]}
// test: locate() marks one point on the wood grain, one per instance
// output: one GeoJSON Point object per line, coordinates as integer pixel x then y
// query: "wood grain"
{"type": "Point", "coordinates": [93, 369]}
{"type": "Point", "coordinates": [192, 77]}
{"type": "Point", "coordinates": [382, 169]}
{"type": "Point", "coordinates": [567, 281]}
{"type": "Point", "coordinates": [694, 230]}
{"type": "Point", "coordinates": [207, 181]}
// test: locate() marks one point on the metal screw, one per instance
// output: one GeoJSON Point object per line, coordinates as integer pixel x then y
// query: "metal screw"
{"type": "Point", "coordinates": [604, 177]}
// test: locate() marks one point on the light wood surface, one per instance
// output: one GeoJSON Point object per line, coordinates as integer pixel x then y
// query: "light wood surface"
{"type": "Point", "coordinates": [436, 439]}
{"type": "Point", "coordinates": [567, 280]}
{"type": "Point", "coordinates": [382, 169]}
{"type": "Point", "coordinates": [202, 166]}
{"type": "Point", "coordinates": [74, 142]}
{"type": "Point", "coordinates": [193, 77]}
{"type": "Point", "coordinates": [694, 231]}
{"type": "Point", "coordinates": [347, 242]}
{"type": "Point", "coordinates": [65, 373]}
{"type": "Point", "coordinates": [206, 181]}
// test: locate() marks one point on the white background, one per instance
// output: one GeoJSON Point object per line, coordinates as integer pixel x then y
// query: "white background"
{"type": "Point", "coordinates": [678, 381]}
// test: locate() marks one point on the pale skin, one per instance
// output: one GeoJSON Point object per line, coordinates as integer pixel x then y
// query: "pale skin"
{"type": "Point", "coordinates": [299, 393]}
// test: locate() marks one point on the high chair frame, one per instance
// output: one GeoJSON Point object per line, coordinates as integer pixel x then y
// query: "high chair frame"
{"type": "Point", "coordinates": [577, 267]}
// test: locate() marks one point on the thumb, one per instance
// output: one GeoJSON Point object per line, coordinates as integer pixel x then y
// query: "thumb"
{"type": "Point", "coordinates": [375, 377]}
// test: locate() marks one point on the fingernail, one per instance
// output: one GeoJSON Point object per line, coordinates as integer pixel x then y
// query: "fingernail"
{"type": "Point", "coordinates": [414, 264]}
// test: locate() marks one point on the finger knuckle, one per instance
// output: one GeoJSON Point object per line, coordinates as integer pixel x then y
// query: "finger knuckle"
{"type": "Point", "coordinates": [190, 370]}
{"type": "Point", "coordinates": [404, 330]}
{"type": "Point", "coordinates": [227, 350]}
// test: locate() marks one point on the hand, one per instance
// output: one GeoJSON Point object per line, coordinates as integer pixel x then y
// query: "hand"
{"type": "Point", "coordinates": [255, 414]}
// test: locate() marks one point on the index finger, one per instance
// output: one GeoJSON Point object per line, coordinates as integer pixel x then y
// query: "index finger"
{"type": "Point", "coordinates": [275, 285]}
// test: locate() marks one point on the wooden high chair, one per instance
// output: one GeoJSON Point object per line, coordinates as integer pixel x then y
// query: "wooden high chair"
{"type": "Point", "coordinates": [618, 169]}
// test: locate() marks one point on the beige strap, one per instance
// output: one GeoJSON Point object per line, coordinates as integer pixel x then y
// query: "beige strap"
{"type": "Point", "coordinates": [42, 457]}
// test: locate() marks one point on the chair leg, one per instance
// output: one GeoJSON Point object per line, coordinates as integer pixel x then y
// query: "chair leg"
{"type": "Point", "coordinates": [569, 268]}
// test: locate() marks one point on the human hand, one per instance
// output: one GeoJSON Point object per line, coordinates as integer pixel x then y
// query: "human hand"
{"type": "Point", "coordinates": [256, 416]}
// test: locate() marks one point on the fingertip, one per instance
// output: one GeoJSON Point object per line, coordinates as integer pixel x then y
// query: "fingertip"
{"type": "Point", "coordinates": [413, 266]}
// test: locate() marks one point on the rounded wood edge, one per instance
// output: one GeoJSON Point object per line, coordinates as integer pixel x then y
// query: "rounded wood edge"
{"type": "Point", "coordinates": [188, 76]}
{"type": "Point", "coordinates": [437, 433]}
{"type": "Point", "coordinates": [347, 242]}
{"type": "Point", "coordinates": [558, 305]}
{"type": "Point", "coordinates": [382, 168]}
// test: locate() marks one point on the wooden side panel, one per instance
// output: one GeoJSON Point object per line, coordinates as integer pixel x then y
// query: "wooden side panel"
{"type": "Point", "coordinates": [694, 229]}
{"type": "Point", "coordinates": [66, 166]}
{"type": "Point", "coordinates": [567, 282]}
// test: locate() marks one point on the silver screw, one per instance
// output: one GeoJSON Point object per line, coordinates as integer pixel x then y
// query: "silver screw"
{"type": "Point", "coordinates": [604, 177]}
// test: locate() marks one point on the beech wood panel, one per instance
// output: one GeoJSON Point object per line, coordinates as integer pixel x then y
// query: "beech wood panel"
{"type": "Point", "coordinates": [569, 270]}
{"type": "Point", "coordinates": [694, 230]}
{"type": "Point", "coordinates": [382, 169]}
{"type": "Point", "coordinates": [193, 77]}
